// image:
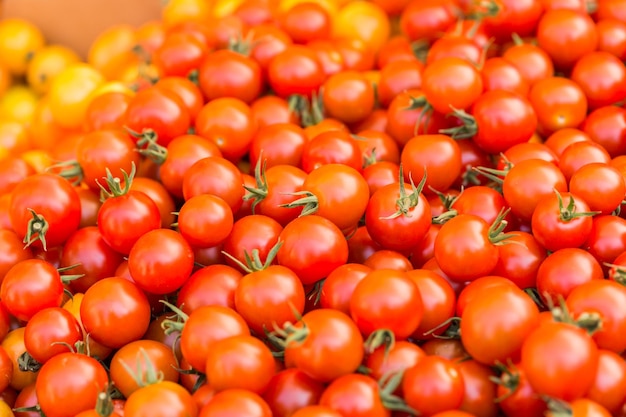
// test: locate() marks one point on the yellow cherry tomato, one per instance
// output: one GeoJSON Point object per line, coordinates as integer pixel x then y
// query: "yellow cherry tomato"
{"type": "Point", "coordinates": [71, 92]}
{"type": "Point", "coordinates": [47, 63]}
{"type": "Point", "coordinates": [112, 50]}
{"type": "Point", "coordinates": [39, 159]}
{"type": "Point", "coordinates": [223, 8]}
{"type": "Point", "coordinates": [13, 343]}
{"type": "Point", "coordinates": [5, 78]}
{"type": "Point", "coordinates": [19, 40]}
{"type": "Point", "coordinates": [176, 12]}
{"type": "Point", "coordinates": [365, 21]}
{"type": "Point", "coordinates": [14, 137]}
{"type": "Point", "coordinates": [18, 104]}
{"type": "Point", "coordinates": [5, 410]}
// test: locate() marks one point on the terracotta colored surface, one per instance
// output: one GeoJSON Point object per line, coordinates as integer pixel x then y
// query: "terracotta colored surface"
{"type": "Point", "coordinates": [76, 23]}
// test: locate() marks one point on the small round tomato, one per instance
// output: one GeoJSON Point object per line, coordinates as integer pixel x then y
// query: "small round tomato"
{"type": "Point", "coordinates": [142, 357]}
{"type": "Point", "coordinates": [291, 390]}
{"type": "Point", "coordinates": [451, 84]}
{"type": "Point", "coordinates": [160, 261]}
{"type": "Point", "coordinates": [331, 147]}
{"type": "Point", "coordinates": [165, 397]}
{"type": "Point", "coordinates": [545, 362]}
{"type": "Point", "coordinates": [391, 292]}
{"type": "Point", "coordinates": [559, 103]}
{"type": "Point", "coordinates": [217, 176]}
{"type": "Point", "coordinates": [340, 284]}
{"type": "Point", "coordinates": [438, 299]}
{"type": "Point", "coordinates": [226, 73]}
{"type": "Point", "coordinates": [110, 302]}
{"type": "Point", "coordinates": [205, 220]}
{"type": "Point", "coordinates": [312, 247]}
{"type": "Point", "coordinates": [51, 331]}
{"type": "Point", "coordinates": [600, 185]}
{"type": "Point", "coordinates": [296, 70]}
{"type": "Point", "coordinates": [425, 20]}
{"type": "Point", "coordinates": [532, 62]}
{"type": "Point", "coordinates": [437, 158]}
{"type": "Point", "coordinates": [348, 96]}
{"type": "Point", "coordinates": [606, 126]}
{"type": "Point", "coordinates": [579, 154]}
{"type": "Point", "coordinates": [19, 40]}
{"type": "Point", "coordinates": [519, 259]}
{"type": "Point", "coordinates": [356, 395]}
{"type": "Point", "coordinates": [434, 384]}
{"type": "Point", "coordinates": [278, 144]}
{"type": "Point", "coordinates": [500, 74]}
{"type": "Point", "coordinates": [612, 89]}
{"type": "Point", "coordinates": [179, 54]}
{"type": "Point", "coordinates": [566, 35]}
{"type": "Point", "coordinates": [231, 402]}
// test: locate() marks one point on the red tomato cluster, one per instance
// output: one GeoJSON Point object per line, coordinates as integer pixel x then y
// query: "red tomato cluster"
{"type": "Point", "coordinates": [318, 209]}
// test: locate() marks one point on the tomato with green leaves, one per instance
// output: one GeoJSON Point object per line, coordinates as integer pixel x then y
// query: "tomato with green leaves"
{"type": "Point", "coordinates": [253, 234]}
{"type": "Point", "coordinates": [44, 210]}
{"type": "Point", "coordinates": [561, 220]}
{"type": "Point", "coordinates": [325, 344]}
{"type": "Point", "coordinates": [517, 398]}
{"type": "Point", "coordinates": [336, 192]}
{"type": "Point", "coordinates": [397, 216]}
{"type": "Point", "coordinates": [126, 215]}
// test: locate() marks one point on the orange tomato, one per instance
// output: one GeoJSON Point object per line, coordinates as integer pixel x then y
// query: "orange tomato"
{"type": "Point", "coordinates": [46, 64]}
{"type": "Point", "coordinates": [13, 343]}
{"type": "Point", "coordinates": [5, 78]}
{"type": "Point", "coordinates": [19, 40]}
{"type": "Point", "coordinates": [18, 104]}
{"type": "Point", "coordinates": [112, 50]}
{"type": "Point", "coordinates": [176, 12]}
{"type": "Point", "coordinates": [14, 137]}
{"type": "Point", "coordinates": [364, 21]}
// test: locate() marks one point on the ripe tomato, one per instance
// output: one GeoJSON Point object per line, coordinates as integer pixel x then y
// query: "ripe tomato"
{"type": "Point", "coordinates": [142, 357]}
{"type": "Point", "coordinates": [233, 402]}
{"type": "Point", "coordinates": [545, 362]}
{"type": "Point", "coordinates": [333, 345]}
{"type": "Point", "coordinates": [355, 395]}
{"type": "Point", "coordinates": [427, 19]}
{"type": "Point", "coordinates": [51, 331]}
{"type": "Point", "coordinates": [613, 86]}
{"type": "Point", "coordinates": [186, 90]}
{"type": "Point", "coordinates": [566, 35]}
{"type": "Point", "coordinates": [518, 397]}
{"type": "Point", "coordinates": [606, 126]}
{"type": "Point", "coordinates": [159, 113]}
{"type": "Point", "coordinates": [331, 147]}
{"type": "Point", "coordinates": [19, 40]}
{"type": "Point", "coordinates": [532, 62]}
{"type": "Point", "coordinates": [312, 247]}
{"type": "Point", "coordinates": [165, 397]}
{"type": "Point", "coordinates": [291, 390]}
{"type": "Point", "coordinates": [496, 322]}
{"type": "Point", "coordinates": [601, 186]}
{"type": "Point", "coordinates": [366, 22]}
{"type": "Point", "coordinates": [295, 70]}
{"type": "Point", "coordinates": [205, 220]}
{"type": "Point", "coordinates": [433, 385]}
{"type": "Point", "coordinates": [480, 390]}
{"type": "Point", "coordinates": [559, 103]}
{"type": "Point", "coordinates": [389, 300]}
{"type": "Point", "coordinates": [278, 144]}
{"type": "Point", "coordinates": [607, 237]}
{"type": "Point", "coordinates": [179, 54]}
{"type": "Point", "coordinates": [451, 84]}
{"type": "Point", "coordinates": [112, 301]}
{"type": "Point", "coordinates": [46, 63]}
{"type": "Point", "coordinates": [564, 270]}
{"type": "Point", "coordinates": [579, 154]}
{"type": "Point", "coordinates": [612, 37]}
{"type": "Point", "coordinates": [519, 259]}
{"type": "Point", "coordinates": [91, 257]}
{"type": "Point", "coordinates": [339, 286]}
{"type": "Point", "coordinates": [240, 362]}
{"type": "Point", "coordinates": [44, 210]}
{"type": "Point", "coordinates": [69, 383]}
{"type": "Point", "coordinates": [160, 261]}
{"type": "Point", "coordinates": [305, 22]}
{"type": "Point", "coordinates": [438, 299]}
{"type": "Point", "coordinates": [348, 96]}
{"type": "Point", "coordinates": [514, 17]}
{"type": "Point", "coordinates": [227, 73]}
{"type": "Point", "coordinates": [610, 381]}
{"type": "Point", "coordinates": [217, 176]}
{"type": "Point", "coordinates": [500, 74]}
{"type": "Point", "coordinates": [13, 253]}
{"type": "Point", "coordinates": [437, 158]}
{"type": "Point", "coordinates": [259, 304]}
{"type": "Point", "coordinates": [396, 77]}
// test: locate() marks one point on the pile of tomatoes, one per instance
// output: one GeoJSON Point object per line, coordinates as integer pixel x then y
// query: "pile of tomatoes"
{"type": "Point", "coordinates": [324, 208]}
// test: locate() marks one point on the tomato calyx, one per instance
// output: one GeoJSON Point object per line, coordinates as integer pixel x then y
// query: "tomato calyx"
{"type": "Point", "coordinates": [70, 170]}
{"type": "Point", "coordinates": [115, 184]}
{"type": "Point", "coordinates": [557, 408]}
{"type": "Point", "coordinates": [26, 363]}
{"type": "Point", "coordinates": [310, 112]}
{"type": "Point", "coordinates": [496, 230]}
{"type": "Point", "coordinates": [36, 229]}
{"type": "Point", "coordinates": [590, 322]}
{"type": "Point", "coordinates": [388, 384]}
{"type": "Point", "coordinates": [259, 191]}
{"type": "Point", "coordinates": [466, 130]}
{"type": "Point", "coordinates": [147, 145]}
{"type": "Point", "coordinates": [104, 404]}
{"type": "Point", "coordinates": [452, 326]}
{"type": "Point", "coordinates": [288, 335]}
{"type": "Point", "coordinates": [616, 272]}
{"type": "Point", "coordinates": [31, 409]}
{"type": "Point", "coordinates": [145, 373]}
{"type": "Point", "coordinates": [378, 338]}
{"type": "Point", "coordinates": [176, 323]}
{"type": "Point", "coordinates": [427, 111]}
{"type": "Point", "coordinates": [569, 213]}
{"type": "Point", "coordinates": [509, 379]}
{"type": "Point", "coordinates": [253, 261]}
{"type": "Point", "coordinates": [482, 9]}
{"type": "Point", "coordinates": [309, 203]}
{"type": "Point", "coordinates": [407, 202]}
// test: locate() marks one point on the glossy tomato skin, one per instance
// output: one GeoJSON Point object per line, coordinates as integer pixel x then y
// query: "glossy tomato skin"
{"type": "Point", "coordinates": [519, 262]}
{"type": "Point", "coordinates": [164, 398]}
{"type": "Point", "coordinates": [236, 402]}
{"type": "Point", "coordinates": [226, 73]}
{"type": "Point", "coordinates": [355, 395]}
{"type": "Point", "coordinates": [495, 323]}
{"type": "Point", "coordinates": [545, 362]}
{"type": "Point", "coordinates": [312, 247]}
{"type": "Point", "coordinates": [290, 390]}
{"type": "Point", "coordinates": [296, 70]}
{"type": "Point", "coordinates": [610, 380]}
{"type": "Point", "coordinates": [29, 286]}
{"type": "Point", "coordinates": [70, 383]}
{"type": "Point", "coordinates": [404, 231]}
{"type": "Point", "coordinates": [123, 220]}
{"type": "Point", "coordinates": [13, 252]}
{"type": "Point", "coordinates": [205, 220]}
{"type": "Point", "coordinates": [50, 332]}
{"type": "Point", "coordinates": [438, 299]}
{"type": "Point", "coordinates": [114, 311]}
{"type": "Point", "coordinates": [451, 83]}
{"type": "Point", "coordinates": [161, 261]}
{"type": "Point", "coordinates": [50, 196]}
{"type": "Point", "coordinates": [333, 346]}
